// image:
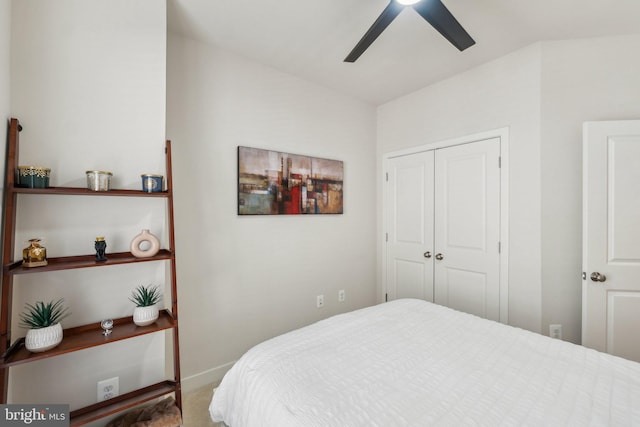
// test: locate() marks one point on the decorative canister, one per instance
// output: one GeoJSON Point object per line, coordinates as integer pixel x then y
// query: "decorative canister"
{"type": "Point", "coordinates": [151, 183]}
{"type": "Point", "coordinates": [34, 255]}
{"type": "Point", "coordinates": [33, 176]}
{"type": "Point", "coordinates": [144, 245]}
{"type": "Point", "coordinates": [99, 180]}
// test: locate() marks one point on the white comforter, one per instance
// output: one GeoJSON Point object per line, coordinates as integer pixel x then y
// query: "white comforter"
{"type": "Point", "coordinates": [412, 363]}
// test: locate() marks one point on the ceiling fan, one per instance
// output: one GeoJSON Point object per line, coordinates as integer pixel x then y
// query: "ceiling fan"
{"type": "Point", "coordinates": [433, 11]}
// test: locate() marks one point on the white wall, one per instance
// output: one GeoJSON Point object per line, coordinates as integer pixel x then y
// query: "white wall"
{"type": "Point", "coordinates": [582, 80]}
{"type": "Point", "coordinates": [5, 68]}
{"type": "Point", "coordinates": [245, 279]}
{"type": "Point", "coordinates": [88, 84]}
{"type": "Point", "coordinates": [543, 93]}
{"type": "Point", "coordinates": [501, 93]}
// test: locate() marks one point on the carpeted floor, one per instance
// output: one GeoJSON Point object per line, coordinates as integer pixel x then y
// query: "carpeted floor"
{"type": "Point", "coordinates": [195, 408]}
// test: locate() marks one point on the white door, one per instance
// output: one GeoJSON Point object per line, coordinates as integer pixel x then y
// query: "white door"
{"type": "Point", "coordinates": [443, 227]}
{"type": "Point", "coordinates": [467, 228]}
{"type": "Point", "coordinates": [410, 227]}
{"type": "Point", "coordinates": [611, 237]}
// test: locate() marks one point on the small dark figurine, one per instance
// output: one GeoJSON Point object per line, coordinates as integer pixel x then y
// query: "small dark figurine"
{"type": "Point", "coordinates": [101, 247]}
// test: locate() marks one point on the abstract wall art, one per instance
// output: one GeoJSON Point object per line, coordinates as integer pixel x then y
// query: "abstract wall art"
{"type": "Point", "coordinates": [275, 183]}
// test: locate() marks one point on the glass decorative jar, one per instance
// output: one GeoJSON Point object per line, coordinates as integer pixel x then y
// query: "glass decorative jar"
{"type": "Point", "coordinates": [34, 255]}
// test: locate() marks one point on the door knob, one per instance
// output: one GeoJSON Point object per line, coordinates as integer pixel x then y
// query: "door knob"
{"type": "Point", "coordinates": [439, 257]}
{"type": "Point", "coordinates": [596, 277]}
{"type": "Point", "coordinates": [427, 254]}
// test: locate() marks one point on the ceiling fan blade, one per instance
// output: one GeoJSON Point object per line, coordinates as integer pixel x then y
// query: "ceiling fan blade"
{"type": "Point", "coordinates": [386, 17]}
{"type": "Point", "coordinates": [436, 13]}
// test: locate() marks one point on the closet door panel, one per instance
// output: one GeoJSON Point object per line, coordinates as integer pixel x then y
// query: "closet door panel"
{"type": "Point", "coordinates": [467, 228]}
{"type": "Point", "coordinates": [410, 227]}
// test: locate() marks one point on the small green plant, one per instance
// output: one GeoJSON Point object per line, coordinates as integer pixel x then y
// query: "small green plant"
{"type": "Point", "coordinates": [145, 296]}
{"type": "Point", "coordinates": [41, 315]}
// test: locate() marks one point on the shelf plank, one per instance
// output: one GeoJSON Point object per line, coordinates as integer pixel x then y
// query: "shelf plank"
{"type": "Point", "coordinates": [118, 404]}
{"type": "Point", "coordinates": [87, 336]}
{"type": "Point", "coordinates": [78, 191]}
{"type": "Point", "coordinates": [86, 261]}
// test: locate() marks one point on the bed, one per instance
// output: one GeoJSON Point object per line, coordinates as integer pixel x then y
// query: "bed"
{"type": "Point", "coordinates": [413, 363]}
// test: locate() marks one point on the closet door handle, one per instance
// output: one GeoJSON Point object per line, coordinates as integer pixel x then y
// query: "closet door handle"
{"type": "Point", "coordinates": [439, 257]}
{"type": "Point", "coordinates": [427, 254]}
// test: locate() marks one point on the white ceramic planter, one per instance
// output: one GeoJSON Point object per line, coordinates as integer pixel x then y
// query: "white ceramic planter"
{"type": "Point", "coordinates": [43, 339]}
{"type": "Point", "coordinates": [143, 316]}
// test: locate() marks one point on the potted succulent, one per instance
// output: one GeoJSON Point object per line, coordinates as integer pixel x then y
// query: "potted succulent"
{"type": "Point", "coordinates": [43, 322]}
{"type": "Point", "coordinates": [145, 298]}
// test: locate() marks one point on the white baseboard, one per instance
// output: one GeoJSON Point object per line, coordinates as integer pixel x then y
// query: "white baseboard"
{"type": "Point", "coordinates": [208, 377]}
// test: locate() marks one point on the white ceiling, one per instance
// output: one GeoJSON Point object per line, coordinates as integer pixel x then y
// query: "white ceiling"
{"type": "Point", "coordinates": [310, 38]}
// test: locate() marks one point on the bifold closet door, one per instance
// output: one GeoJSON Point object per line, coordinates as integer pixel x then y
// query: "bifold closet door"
{"type": "Point", "coordinates": [467, 228]}
{"type": "Point", "coordinates": [409, 239]}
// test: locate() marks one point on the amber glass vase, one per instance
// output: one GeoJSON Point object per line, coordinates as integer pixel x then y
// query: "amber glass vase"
{"type": "Point", "coordinates": [34, 255]}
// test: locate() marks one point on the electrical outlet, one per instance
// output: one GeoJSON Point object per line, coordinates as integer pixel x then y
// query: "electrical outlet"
{"type": "Point", "coordinates": [555, 331]}
{"type": "Point", "coordinates": [320, 301]}
{"type": "Point", "coordinates": [108, 389]}
{"type": "Point", "coordinates": [341, 295]}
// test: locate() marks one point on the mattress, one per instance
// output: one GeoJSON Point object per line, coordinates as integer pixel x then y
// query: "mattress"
{"type": "Point", "coordinates": [412, 363]}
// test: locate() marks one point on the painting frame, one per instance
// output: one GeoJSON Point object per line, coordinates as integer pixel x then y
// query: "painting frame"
{"type": "Point", "coordinates": [279, 183]}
